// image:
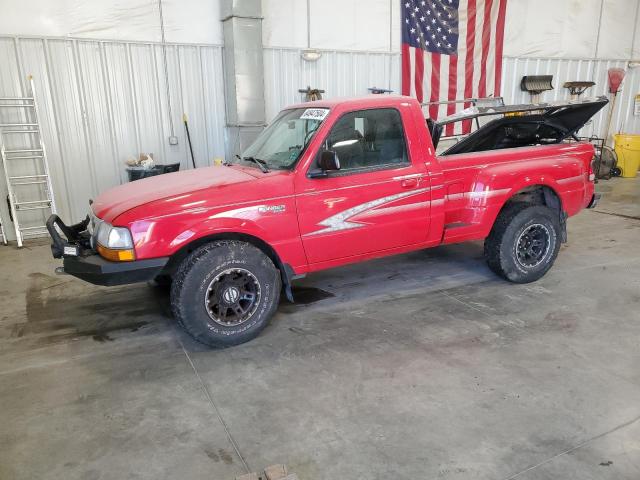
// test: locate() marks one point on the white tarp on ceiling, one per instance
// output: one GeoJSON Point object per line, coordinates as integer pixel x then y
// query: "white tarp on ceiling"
{"type": "Point", "coordinates": [569, 28]}
{"type": "Point", "coordinates": [335, 24]}
{"type": "Point", "coordinates": [188, 21]}
{"type": "Point", "coordinates": [534, 28]}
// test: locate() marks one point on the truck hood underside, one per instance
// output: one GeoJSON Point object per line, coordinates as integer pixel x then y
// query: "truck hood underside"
{"type": "Point", "coordinates": [522, 125]}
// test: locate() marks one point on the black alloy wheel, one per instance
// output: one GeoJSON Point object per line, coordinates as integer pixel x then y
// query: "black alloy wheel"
{"type": "Point", "coordinates": [232, 297]}
{"type": "Point", "coordinates": [532, 246]}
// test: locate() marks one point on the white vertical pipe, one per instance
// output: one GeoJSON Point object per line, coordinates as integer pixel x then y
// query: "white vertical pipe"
{"type": "Point", "coordinates": [595, 55]}
{"type": "Point", "coordinates": [134, 97]}
{"type": "Point", "coordinates": [158, 97]}
{"type": "Point", "coordinates": [56, 121]}
{"type": "Point", "coordinates": [82, 103]}
{"type": "Point", "coordinates": [390, 41]}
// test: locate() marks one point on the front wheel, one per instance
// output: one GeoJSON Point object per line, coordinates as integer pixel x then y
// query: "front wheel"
{"type": "Point", "coordinates": [524, 242]}
{"type": "Point", "coordinates": [225, 292]}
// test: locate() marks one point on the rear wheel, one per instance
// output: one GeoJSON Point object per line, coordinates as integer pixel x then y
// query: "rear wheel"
{"type": "Point", "coordinates": [225, 292]}
{"type": "Point", "coordinates": [524, 242]}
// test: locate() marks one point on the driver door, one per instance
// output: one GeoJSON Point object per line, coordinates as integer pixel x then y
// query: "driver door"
{"type": "Point", "coordinates": [378, 200]}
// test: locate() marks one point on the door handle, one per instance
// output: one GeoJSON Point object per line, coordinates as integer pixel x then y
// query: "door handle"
{"type": "Point", "coordinates": [409, 182]}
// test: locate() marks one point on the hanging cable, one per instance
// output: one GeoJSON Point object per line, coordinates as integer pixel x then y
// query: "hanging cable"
{"type": "Point", "coordinates": [308, 24]}
{"type": "Point", "coordinates": [635, 28]}
{"type": "Point", "coordinates": [166, 69]}
{"type": "Point", "coordinates": [599, 28]}
{"type": "Point", "coordinates": [390, 41]}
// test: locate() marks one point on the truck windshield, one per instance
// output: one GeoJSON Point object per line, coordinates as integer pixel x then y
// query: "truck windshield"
{"type": "Point", "coordinates": [280, 145]}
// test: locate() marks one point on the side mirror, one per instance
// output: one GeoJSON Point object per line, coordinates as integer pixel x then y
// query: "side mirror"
{"type": "Point", "coordinates": [329, 160]}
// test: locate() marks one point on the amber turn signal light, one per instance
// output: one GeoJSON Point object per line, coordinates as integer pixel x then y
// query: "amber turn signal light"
{"type": "Point", "coordinates": [116, 255]}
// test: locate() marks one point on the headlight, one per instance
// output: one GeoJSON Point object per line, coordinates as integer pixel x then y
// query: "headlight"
{"type": "Point", "coordinates": [114, 243]}
{"type": "Point", "coordinates": [114, 237]}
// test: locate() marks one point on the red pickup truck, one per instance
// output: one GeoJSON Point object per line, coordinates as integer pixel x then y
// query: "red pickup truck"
{"type": "Point", "coordinates": [330, 183]}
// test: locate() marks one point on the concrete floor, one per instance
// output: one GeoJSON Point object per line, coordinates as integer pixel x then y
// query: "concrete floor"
{"type": "Point", "coordinates": [418, 366]}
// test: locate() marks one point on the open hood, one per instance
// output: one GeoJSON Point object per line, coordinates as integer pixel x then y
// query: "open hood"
{"type": "Point", "coordinates": [521, 125]}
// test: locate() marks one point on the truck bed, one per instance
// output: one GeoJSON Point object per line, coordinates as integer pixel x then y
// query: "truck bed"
{"type": "Point", "coordinates": [480, 182]}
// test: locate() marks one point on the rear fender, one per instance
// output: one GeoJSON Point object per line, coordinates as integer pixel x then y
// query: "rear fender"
{"type": "Point", "coordinates": [500, 188]}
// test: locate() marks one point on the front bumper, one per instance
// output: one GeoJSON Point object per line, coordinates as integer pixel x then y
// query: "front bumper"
{"type": "Point", "coordinates": [81, 261]}
{"type": "Point", "coordinates": [94, 269]}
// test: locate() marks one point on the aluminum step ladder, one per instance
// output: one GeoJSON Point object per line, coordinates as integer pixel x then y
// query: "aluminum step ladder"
{"type": "Point", "coordinates": [26, 170]}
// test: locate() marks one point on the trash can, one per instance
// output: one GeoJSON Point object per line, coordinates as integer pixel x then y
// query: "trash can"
{"type": "Point", "coordinates": [137, 173]}
{"type": "Point", "coordinates": [169, 168]}
{"type": "Point", "coordinates": [627, 148]}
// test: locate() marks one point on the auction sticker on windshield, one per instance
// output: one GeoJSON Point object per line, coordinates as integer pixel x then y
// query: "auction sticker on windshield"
{"type": "Point", "coordinates": [314, 114]}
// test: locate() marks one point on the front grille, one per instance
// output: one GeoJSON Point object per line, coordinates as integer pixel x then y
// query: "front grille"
{"type": "Point", "coordinates": [92, 228]}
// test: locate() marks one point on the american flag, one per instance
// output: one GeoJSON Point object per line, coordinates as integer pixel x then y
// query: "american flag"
{"type": "Point", "coordinates": [452, 50]}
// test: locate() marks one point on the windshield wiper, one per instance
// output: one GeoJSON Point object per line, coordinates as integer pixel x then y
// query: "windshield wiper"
{"type": "Point", "coordinates": [261, 163]}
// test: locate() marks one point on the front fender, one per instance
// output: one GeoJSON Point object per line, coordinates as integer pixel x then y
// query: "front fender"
{"type": "Point", "coordinates": [164, 236]}
{"type": "Point", "coordinates": [216, 226]}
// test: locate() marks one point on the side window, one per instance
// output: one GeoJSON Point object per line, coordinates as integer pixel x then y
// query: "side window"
{"type": "Point", "coordinates": [368, 138]}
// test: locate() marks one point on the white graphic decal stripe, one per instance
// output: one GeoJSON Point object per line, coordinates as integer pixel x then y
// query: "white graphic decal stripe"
{"type": "Point", "coordinates": [572, 179]}
{"type": "Point", "coordinates": [340, 221]}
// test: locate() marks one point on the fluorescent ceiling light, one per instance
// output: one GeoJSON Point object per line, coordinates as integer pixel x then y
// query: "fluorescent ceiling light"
{"type": "Point", "coordinates": [310, 55]}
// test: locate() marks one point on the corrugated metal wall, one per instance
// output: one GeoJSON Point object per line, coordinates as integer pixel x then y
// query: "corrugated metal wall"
{"type": "Point", "coordinates": [351, 73]}
{"type": "Point", "coordinates": [564, 70]}
{"type": "Point", "coordinates": [102, 102]}
{"type": "Point", "coordinates": [339, 73]}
